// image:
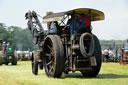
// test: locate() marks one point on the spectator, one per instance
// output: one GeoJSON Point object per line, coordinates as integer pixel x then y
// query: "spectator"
{"type": "Point", "coordinates": [106, 54]}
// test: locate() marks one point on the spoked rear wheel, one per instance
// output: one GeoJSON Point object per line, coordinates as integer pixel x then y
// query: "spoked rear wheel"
{"type": "Point", "coordinates": [54, 56]}
{"type": "Point", "coordinates": [97, 53]}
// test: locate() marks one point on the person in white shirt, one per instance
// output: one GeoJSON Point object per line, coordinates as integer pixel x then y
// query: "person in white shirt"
{"type": "Point", "coordinates": [106, 54]}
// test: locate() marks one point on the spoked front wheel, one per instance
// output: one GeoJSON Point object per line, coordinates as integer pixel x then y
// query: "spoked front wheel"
{"type": "Point", "coordinates": [54, 56]}
{"type": "Point", "coordinates": [34, 64]}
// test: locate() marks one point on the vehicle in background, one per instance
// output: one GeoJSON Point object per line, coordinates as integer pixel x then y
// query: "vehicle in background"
{"type": "Point", "coordinates": [7, 54]}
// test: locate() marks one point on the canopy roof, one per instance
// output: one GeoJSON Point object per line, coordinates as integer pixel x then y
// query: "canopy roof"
{"type": "Point", "coordinates": [92, 13]}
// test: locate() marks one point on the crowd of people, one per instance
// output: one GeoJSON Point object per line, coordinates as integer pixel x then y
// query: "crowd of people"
{"type": "Point", "coordinates": [110, 55]}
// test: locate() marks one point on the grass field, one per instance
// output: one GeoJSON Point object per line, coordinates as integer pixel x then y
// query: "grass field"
{"type": "Point", "coordinates": [110, 74]}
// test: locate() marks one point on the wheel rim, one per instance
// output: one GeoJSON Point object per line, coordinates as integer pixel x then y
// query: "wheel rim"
{"type": "Point", "coordinates": [49, 59]}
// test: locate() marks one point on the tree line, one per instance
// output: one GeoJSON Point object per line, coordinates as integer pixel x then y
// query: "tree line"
{"type": "Point", "coordinates": [19, 38]}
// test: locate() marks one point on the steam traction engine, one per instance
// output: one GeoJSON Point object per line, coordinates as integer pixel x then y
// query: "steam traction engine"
{"type": "Point", "coordinates": [68, 44]}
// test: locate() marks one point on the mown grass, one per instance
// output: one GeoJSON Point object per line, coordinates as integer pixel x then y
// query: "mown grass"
{"type": "Point", "coordinates": [110, 74]}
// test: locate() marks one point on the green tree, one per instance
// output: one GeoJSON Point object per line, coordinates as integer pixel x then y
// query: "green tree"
{"type": "Point", "coordinates": [20, 39]}
{"type": "Point", "coordinates": [3, 32]}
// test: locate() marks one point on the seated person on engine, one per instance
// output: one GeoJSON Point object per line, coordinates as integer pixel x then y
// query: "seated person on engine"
{"type": "Point", "coordinates": [81, 24]}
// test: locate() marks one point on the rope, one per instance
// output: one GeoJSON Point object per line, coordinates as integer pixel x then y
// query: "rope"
{"type": "Point", "coordinates": [82, 47]}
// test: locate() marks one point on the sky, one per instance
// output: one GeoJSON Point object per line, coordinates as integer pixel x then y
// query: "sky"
{"type": "Point", "coordinates": [115, 25]}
